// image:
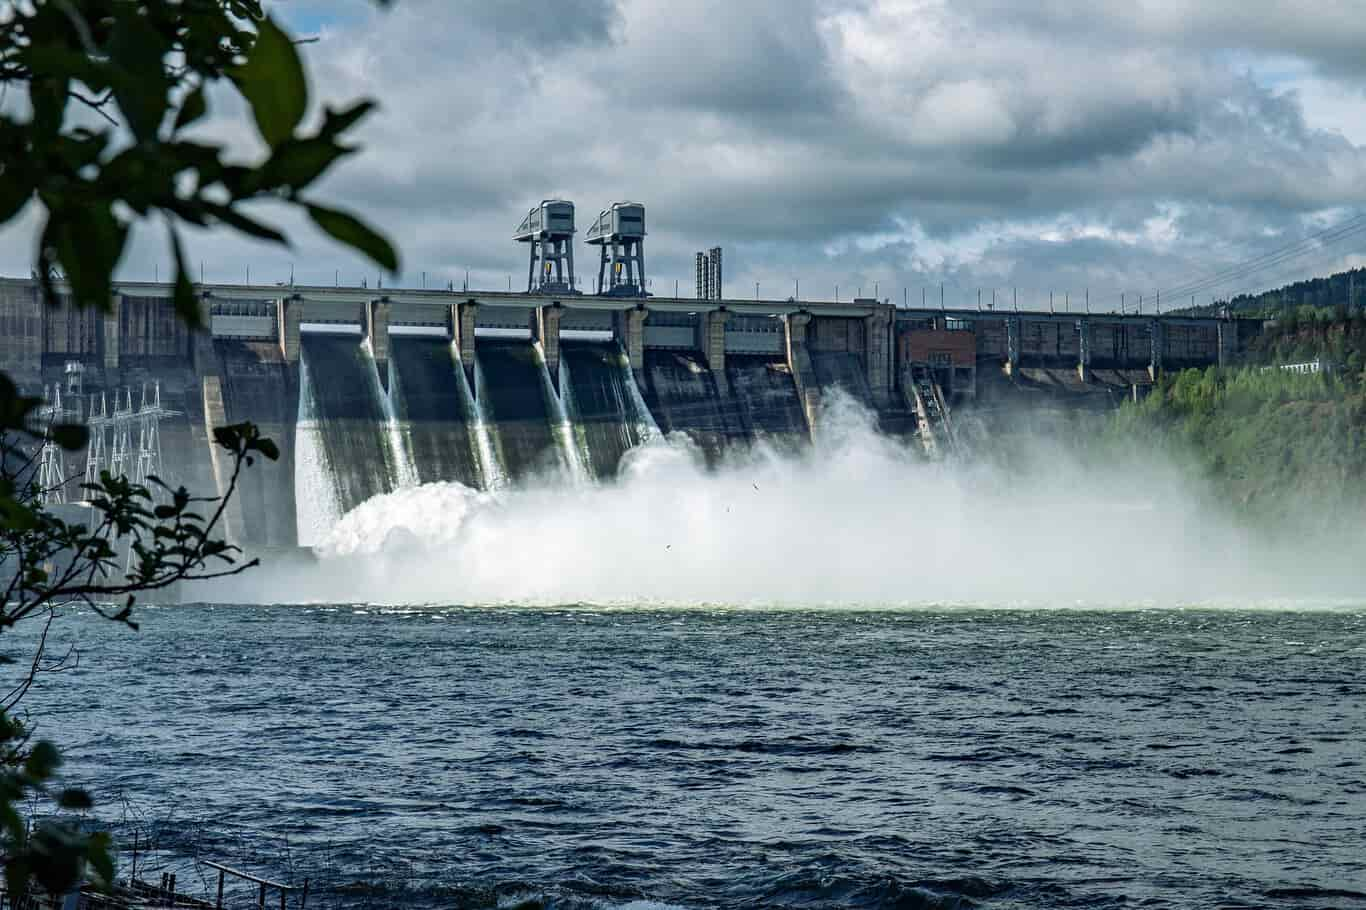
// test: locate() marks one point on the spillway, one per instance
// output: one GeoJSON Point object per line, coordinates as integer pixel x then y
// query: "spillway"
{"type": "Point", "coordinates": [433, 408]}
{"type": "Point", "coordinates": [767, 400]}
{"type": "Point", "coordinates": [352, 425]}
{"type": "Point", "coordinates": [258, 386]}
{"type": "Point", "coordinates": [843, 371]}
{"type": "Point", "coordinates": [513, 397]}
{"type": "Point", "coordinates": [595, 382]}
{"type": "Point", "coordinates": [682, 395]}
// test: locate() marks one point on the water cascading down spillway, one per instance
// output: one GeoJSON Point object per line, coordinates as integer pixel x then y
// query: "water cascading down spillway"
{"type": "Point", "coordinates": [604, 406]}
{"type": "Point", "coordinates": [434, 411]}
{"type": "Point", "coordinates": [354, 445]}
{"type": "Point", "coordinates": [515, 404]}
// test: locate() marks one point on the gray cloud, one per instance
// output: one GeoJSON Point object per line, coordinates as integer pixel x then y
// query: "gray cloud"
{"type": "Point", "coordinates": [907, 142]}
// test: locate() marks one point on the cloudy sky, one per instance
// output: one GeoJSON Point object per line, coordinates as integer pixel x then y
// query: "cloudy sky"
{"type": "Point", "coordinates": [1115, 145]}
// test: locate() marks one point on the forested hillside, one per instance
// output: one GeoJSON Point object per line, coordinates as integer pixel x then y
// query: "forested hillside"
{"type": "Point", "coordinates": [1345, 289]}
{"type": "Point", "coordinates": [1277, 445]}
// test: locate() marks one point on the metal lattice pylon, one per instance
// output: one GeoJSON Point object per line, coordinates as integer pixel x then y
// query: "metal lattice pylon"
{"type": "Point", "coordinates": [98, 425]}
{"type": "Point", "coordinates": [51, 464]}
{"type": "Point", "coordinates": [121, 426]}
{"type": "Point", "coordinates": [149, 418]}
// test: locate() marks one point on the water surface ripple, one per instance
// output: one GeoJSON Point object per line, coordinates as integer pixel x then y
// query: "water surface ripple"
{"type": "Point", "coordinates": [729, 758]}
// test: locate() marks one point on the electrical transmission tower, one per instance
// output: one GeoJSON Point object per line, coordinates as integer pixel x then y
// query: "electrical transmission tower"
{"type": "Point", "coordinates": [97, 423]}
{"type": "Point", "coordinates": [149, 418]}
{"type": "Point", "coordinates": [52, 475]}
{"type": "Point", "coordinates": [121, 428]}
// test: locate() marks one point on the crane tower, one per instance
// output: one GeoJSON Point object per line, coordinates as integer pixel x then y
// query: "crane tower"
{"type": "Point", "coordinates": [549, 229]}
{"type": "Point", "coordinates": [620, 232]}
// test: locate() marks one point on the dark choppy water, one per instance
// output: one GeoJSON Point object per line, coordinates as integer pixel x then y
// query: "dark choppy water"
{"type": "Point", "coordinates": [989, 759]}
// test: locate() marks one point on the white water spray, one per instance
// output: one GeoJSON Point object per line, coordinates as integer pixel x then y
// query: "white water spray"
{"type": "Point", "coordinates": [646, 426]}
{"type": "Point", "coordinates": [316, 508]}
{"type": "Point", "coordinates": [490, 455]}
{"type": "Point", "coordinates": [858, 520]}
{"type": "Point", "coordinates": [405, 468]}
{"type": "Point", "coordinates": [561, 426]}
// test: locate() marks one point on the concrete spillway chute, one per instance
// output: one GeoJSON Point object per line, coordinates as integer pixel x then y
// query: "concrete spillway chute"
{"type": "Point", "coordinates": [620, 232]}
{"type": "Point", "coordinates": [549, 229]}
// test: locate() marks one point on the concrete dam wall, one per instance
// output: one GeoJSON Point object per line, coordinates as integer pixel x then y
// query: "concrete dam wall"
{"type": "Point", "coordinates": [367, 394]}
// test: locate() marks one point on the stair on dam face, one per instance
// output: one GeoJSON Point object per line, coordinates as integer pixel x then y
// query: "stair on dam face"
{"type": "Point", "coordinates": [513, 396]}
{"type": "Point", "coordinates": [434, 410]}
{"type": "Point", "coordinates": [594, 382]}
{"type": "Point", "coordinates": [349, 417]}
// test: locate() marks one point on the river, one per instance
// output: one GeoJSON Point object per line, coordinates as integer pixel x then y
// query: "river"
{"type": "Point", "coordinates": [727, 757]}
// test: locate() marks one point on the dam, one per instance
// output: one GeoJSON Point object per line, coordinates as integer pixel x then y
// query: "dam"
{"type": "Point", "coordinates": [368, 391]}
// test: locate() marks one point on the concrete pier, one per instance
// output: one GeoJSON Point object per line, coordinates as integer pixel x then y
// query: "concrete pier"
{"type": "Point", "coordinates": [1084, 350]}
{"type": "Point", "coordinates": [878, 350]}
{"type": "Point", "coordinates": [460, 322]}
{"type": "Point", "coordinates": [1159, 345]}
{"type": "Point", "coordinates": [630, 331]}
{"type": "Point", "coordinates": [712, 328]}
{"type": "Point", "coordinates": [377, 333]}
{"type": "Point", "coordinates": [545, 329]}
{"type": "Point", "coordinates": [799, 362]}
{"type": "Point", "coordinates": [111, 334]}
{"type": "Point", "coordinates": [289, 312]}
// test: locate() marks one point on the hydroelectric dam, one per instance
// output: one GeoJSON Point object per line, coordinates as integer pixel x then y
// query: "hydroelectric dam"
{"type": "Point", "coordinates": [366, 391]}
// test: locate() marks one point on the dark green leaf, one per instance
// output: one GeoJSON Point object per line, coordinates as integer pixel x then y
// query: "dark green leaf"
{"type": "Point", "coordinates": [69, 436]}
{"type": "Point", "coordinates": [356, 234]}
{"type": "Point", "coordinates": [267, 448]}
{"type": "Point", "coordinates": [230, 216]}
{"type": "Point", "coordinates": [298, 162]}
{"type": "Point", "coordinates": [43, 760]}
{"type": "Point", "coordinates": [227, 437]}
{"type": "Point", "coordinates": [337, 122]}
{"type": "Point", "coordinates": [137, 74]}
{"type": "Point", "coordinates": [186, 300]}
{"type": "Point", "coordinates": [77, 800]}
{"type": "Point", "coordinates": [88, 242]}
{"type": "Point", "coordinates": [272, 80]}
{"type": "Point", "coordinates": [192, 108]}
